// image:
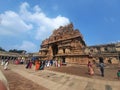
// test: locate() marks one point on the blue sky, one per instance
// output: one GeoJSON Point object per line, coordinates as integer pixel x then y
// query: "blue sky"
{"type": "Point", "coordinates": [25, 23]}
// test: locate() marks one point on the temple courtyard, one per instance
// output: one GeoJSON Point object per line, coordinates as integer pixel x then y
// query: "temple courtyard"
{"type": "Point", "coordinates": [71, 77]}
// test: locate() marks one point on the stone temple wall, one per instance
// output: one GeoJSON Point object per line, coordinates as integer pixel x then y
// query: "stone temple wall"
{"type": "Point", "coordinates": [77, 60]}
{"type": "Point", "coordinates": [109, 52]}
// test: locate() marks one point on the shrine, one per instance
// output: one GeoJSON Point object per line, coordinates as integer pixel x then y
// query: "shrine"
{"type": "Point", "coordinates": [65, 44]}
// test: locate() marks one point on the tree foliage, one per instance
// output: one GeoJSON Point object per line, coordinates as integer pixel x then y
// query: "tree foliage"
{"type": "Point", "coordinates": [1, 49]}
{"type": "Point", "coordinates": [14, 50]}
{"type": "Point", "coordinates": [17, 51]}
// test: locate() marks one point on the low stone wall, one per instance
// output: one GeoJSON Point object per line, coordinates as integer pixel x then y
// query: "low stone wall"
{"type": "Point", "coordinates": [82, 60]}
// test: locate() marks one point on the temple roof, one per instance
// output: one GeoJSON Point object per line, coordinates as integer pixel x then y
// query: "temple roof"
{"type": "Point", "coordinates": [63, 33]}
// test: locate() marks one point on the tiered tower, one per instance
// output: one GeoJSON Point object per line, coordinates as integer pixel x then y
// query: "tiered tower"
{"type": "Point", "coordinates": [65, 44]}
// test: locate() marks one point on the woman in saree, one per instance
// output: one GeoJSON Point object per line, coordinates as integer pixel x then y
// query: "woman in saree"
{"type": "Point", "coordinates": [37, 65]}
{"type": "Point", "coordinates": [90, 68]}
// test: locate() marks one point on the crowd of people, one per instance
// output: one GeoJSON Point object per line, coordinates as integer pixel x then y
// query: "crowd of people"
{"type": "Point", "coordinates": [41, 64]}
{"type": "Point", "coordinates": [100, 65]}
{"type": "Point", "coordinates": [91, 68]}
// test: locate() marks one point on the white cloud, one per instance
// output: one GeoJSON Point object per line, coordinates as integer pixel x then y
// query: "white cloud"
{"type": "Point", "coordinates": [45, 25]}
{"type": "Point", "coordinates": [49, 25]}
{"type": "Point", "coordinates": [15, 23]}
{"type": "Point", "coordinates": [23, 8]}
{"type": "Point", "coordinates": [11, 23]}
{"type": "Point", "coordinates": [27, 45]}
{"type": "Point", "coordinates": [29, 21]}
{"type": "Point", "coordinates": [37, 8]}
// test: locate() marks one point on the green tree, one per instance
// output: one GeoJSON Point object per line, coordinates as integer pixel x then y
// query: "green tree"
{"type": "Point", "coordinates": [1, 49]}
{"type": "Point", "coordinates": [17, 51]}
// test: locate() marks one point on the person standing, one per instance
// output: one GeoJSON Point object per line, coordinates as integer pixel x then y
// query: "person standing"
{"type": "Point", "coordinates": [6, 65]}
{"type": "Point", "coordinates": [28, 64]}
{"type": "Point", "coordinates": [90, 68]}
{"type": "Point", "coordinates": [118, 74]}
{"type": "Point", "coordinates": [3, 62]}
{"type": "Point", "coordinates": [37, 65]}
{"type": "Point", "coordinates": [101, 65]}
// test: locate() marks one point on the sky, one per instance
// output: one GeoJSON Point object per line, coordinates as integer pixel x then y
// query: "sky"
{"type": "Point", "coordinates": [24, 24]}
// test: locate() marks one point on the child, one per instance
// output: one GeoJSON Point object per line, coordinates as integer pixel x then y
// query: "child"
{"type": "Point", "coordinates": [118, 74]}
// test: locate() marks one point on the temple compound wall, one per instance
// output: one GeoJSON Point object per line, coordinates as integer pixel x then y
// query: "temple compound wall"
{"type": "Point", "coordinates": [67, 45]}
{"type": "Point", "coordinates": [4, 55]}
{"type": "Point", "coordinates": [109, 52]}
{"type": "Point", "coordinates": [8, 55]}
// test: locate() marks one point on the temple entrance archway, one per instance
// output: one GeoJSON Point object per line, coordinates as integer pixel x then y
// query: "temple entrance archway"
{"type": "Point", "coordinates": [54, 49]}
{"type": "Point", "coordinates": [63, 60]}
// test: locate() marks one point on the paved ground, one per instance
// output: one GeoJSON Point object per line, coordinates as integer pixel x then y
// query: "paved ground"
{"type": "Point", "coordinates": [18, 82]}
{"type": "Point", "coordinates": [71, 78]}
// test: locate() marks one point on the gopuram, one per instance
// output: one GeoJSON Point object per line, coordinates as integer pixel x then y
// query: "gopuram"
{"type": "Point", "coordinates": [65, 44]}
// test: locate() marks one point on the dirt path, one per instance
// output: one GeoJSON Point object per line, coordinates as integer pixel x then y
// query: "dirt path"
{"type": "Point", "coordinates": [17, 82]}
